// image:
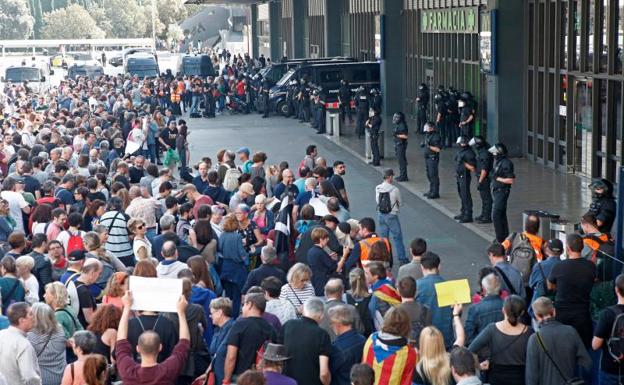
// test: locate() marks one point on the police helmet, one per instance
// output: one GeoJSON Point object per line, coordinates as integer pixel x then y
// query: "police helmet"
{"type": "Point", "coordinates": [429, 127]}
{"type": "Point", "coordinates": [498, 149]}
{"type": "Point", "coordinates": [439, 96]}
{"type": "Point", "coordinates": [422, 86]}
{"type": "Point", "coordinates": [466, 96]}
{"type": "Point", "coordinates": [361, 88]}
{"type": "Point", "coordinates": [477, 141]}
{"type": "Point", "coordinates": [601, 184]}
{"type": "Point", "coordinates": [463, 140]}
{"type": "Point", "coordinates": [398, 117]}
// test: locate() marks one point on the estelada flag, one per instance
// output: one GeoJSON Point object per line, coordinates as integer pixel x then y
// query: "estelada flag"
{"type": "Point", "coordinates": [392, 359]}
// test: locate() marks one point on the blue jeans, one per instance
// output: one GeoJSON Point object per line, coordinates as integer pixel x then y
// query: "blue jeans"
{"type": "Point", "coordinates": [150, 234]}
{"type": "Point", "coordinates": [221, 103]}
{"type": "Point", "coordinates": [151, 152]}
{"type": "Point", "coordinates": [608, 379]}
{"type": "Point", "coordinates": [389, 225]}
{"type": "Point", "coordinates": [195, 105]}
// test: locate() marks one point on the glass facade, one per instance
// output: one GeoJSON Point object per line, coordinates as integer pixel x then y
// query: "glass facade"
{"type": "Point", "coordinates": [574, 85]}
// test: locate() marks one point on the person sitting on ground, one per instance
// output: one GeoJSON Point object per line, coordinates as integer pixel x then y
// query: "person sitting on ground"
{"type": "Point", "coordinates": [150, 371]}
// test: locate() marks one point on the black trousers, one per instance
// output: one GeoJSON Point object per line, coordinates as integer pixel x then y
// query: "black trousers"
{"type": "Point", "coordinates": [345, 110]}
{"type": "Point", "coordinates": [431, 164]}
{"type": "Point", "coordinates": [421, 120]}
{"type": "Point", "coordinates": [360, 121]}
{"type": "Point", "coordinates": [486, 198]}
{"type": "Point", "coordinates": [374, 142]}
{"type": "Point", "coordinates": [499, 213]}
{"type": "Point", "coordinates": [400, 150]}
{"type": "Point", "coordinates": [266, 107]}
{"type": "Point", "coordinates": [463, 189]}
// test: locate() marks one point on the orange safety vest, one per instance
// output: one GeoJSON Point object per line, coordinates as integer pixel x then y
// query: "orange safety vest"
{"type": "Point", "coordinates": [175, 97]}
{"type": "Point", "coordinates": [593, 242]}
{"type": "Point", "coordinates": [367, 243]}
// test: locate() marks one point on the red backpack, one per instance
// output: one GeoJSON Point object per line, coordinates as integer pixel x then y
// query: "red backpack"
{"type": "Point", "coordinates": [74, 243]}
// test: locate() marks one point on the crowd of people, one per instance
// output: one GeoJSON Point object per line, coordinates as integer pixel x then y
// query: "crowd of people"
{"type": "Point", "coordinates": [281, 284]}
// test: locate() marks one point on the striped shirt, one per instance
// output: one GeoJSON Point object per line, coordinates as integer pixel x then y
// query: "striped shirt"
{"type": "Point", "coordinates": [50, 350]}
{"type": "Point", "coordinates": [118, 242]}
{"type": "Point", "coordinates": [297, 297]}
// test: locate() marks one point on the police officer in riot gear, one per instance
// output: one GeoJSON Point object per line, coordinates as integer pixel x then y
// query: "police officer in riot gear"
{"type": "Point", "coordinates": [441, 116]}
{"type": "Point", "coordinates": [344, 100]}
{"type": "Point", "coordinates": [485, 161]}
{"type": "Point", "coordinates": [400, 135]}
{"type": "Point", "coordinates": [264, 90]}
{"type": "Point", "coordinates": [376, 100]}
{"type": "Point", "coordinates": [291, 93]}
{"type": "Point", "coordinates": [432, 145]}
{"type": "Point", "coordinates": [465, 164]}
{"type": "Point", "coordinates": [502, 178]}
{"type": "Point", "coordinates": [466, 114]}
{"type": "Point", "coordinates": [603, 204]}
{"type": "Point", "coordinates": [373, 125]}
{"type": "Point", "coordinates": [452, 118]}
{"type": "Point", "coordinates": [422, 102]}
{"type": "Point", "coordinates": [304, 100]}
{"type": "Point", "coordinates": [321, 99]}
{"type": "Point", "coordinates": [362, 106]}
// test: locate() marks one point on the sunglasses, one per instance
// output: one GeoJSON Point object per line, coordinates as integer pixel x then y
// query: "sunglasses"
{"type": "Point", "coordinates": [141, 227]}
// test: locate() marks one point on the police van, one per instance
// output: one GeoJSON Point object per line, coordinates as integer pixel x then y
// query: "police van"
{"type": "Point", "coordinates": [143, 65]}
{"type": "Point", "coordinates": [196, 65]}
{"type": "Point", "coordinates": [90, 71]}
{"type": "Point", "coordinates": [326, 76]}
{"type": "Point", "coordinates": [37, 76]}
{"type": "Point", "coordinates": [276, 71]}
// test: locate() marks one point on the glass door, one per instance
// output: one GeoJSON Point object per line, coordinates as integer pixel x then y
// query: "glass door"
{"type": "Point", "coordinates": [583, 126]}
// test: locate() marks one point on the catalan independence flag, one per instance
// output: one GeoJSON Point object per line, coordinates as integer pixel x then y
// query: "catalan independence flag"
{"type": "Point", "coordinates": [384, 290]}
{"type": "Point", "coordinates": [392, 360]}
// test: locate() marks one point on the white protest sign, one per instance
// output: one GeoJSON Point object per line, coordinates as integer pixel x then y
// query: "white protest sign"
{"type": "Point", "coordinates": [155, 294]}
{"type": "Point", "coordinates": [320, 208]}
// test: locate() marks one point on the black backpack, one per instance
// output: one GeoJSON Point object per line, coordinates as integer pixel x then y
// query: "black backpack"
{"type": "Point", "coordinates": [384, 205]}
{"type": "Point", "coordinates": [522, 256]}
{"type": "Point", "coordinates": [418, 325]}
{"type": "Point", "coordinates": [615, 343]}
{"type": "Point", "coordinates": [606, 263]}
{"type": "Point", "coordinates": [361, 306]}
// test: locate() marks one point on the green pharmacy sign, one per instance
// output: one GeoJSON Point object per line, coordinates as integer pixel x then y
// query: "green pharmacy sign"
{"type": "Point", "coordinates": [453, 20]}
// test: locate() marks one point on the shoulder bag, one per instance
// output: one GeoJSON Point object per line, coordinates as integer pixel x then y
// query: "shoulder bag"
{"type": "Point", "coordinates": [568, 381]}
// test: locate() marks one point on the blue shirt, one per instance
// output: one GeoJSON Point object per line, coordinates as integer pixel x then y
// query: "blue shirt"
{"type": "Point", "coordinates": [514, 277]}
{"type": "Point", "coordinates": [441, 317]}
{"type": "Point", "coordinates": [200, 184]}
{"type": "Point", "coordinates": [303, 198]}
{"type": "Point", "coordinates": [346, 351]}
{"type": "Point", "coordinates": [64, 196]}
{"type": "Point", "coordinates": [218, 349]}
{"type": "Point", "coordinates": [482, 314]}
{"type": "Point", "coordinates": [536, 279]}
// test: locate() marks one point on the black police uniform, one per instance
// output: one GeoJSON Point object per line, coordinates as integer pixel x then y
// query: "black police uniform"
{"type": "Point", "coordinates": [465, 112]}
{"type": "Point", "coordinates": [485, 161]}
{"type": "Point", "coordinates": [362, 105]}
{"type": "Point", "coordinates": [451, 121]}
{"type": "Point", "coordinates": [289, 100]}
{"type": "Point", "coordinates": [293, 103]}
{"type": "Point", "coordinates": [503, 168]}
{"type": "Point", "coordinates": [265, 95]}
{"type": "Point", "coordinates": [304, 117]}
{"type": "Point", "coordinates": [344, 94]}
{"type": "Point", "coordinates": [441, 124]}
{"type": "Point", "coordinates": [604, 208]}
{"type": "Point", "coordinates": [375, 129]}
{"type": "Point", "coordinates": [422, 99]}
{"type": "Point", "coordinates": [376, 101]}
{"type": "Point", "coordinates": [209, 102]}
{"type": "Point", "coordinates": [432, 160]}
{"type": "Point", "coordinates": [400, 147]}
{"type": "Point", "coordinates": [464, 155]}
{"type": "Point", "coordinates": [322, 111]}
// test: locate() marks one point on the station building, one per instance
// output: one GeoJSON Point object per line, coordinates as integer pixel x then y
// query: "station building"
{"type": "Point", "coordinates": [546, 74]}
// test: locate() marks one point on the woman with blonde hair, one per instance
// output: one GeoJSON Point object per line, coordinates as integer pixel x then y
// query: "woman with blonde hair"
{"type": "Point", "coordinates": [141, 245]}
{"type": "Point", "coordinates": [299, 287]}
{"type": "Point", "coordinates": [433, 367]}
{"type": "Point", "coordinates": [359, 297]}
{"type": "Point", "coordinates": [57, 298]}
{"type": "Point", "coordinates": [115, 289]}
{"type": "Point", "coordinates": [110, 263]}
{"type": "Point", "coordinates": [389, 350]}
{"type": "Point", "coordinates": [49, 342]}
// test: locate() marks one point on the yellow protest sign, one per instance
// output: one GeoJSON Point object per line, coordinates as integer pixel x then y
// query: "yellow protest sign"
{"type": "Point", "coordinates": [452, 292]}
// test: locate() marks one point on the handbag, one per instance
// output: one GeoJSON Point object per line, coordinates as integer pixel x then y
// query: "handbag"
{"type": "Point", "coordinates": [568, 381]}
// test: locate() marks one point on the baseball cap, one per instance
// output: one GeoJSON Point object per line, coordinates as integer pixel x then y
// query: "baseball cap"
{"type": "Point", "coordinates": [243, 150]}
{"type": "Point", "coordinates": [76, 255]}
{"type": "Point", "coordinates": [555, 245]}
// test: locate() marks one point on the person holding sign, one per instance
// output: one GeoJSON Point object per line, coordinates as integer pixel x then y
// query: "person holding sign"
{"type": "Point", "coordinates": [149, 371]}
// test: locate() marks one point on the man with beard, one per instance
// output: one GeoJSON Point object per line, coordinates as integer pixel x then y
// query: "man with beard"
{"type": "Point", "coordinates": [336, 179]}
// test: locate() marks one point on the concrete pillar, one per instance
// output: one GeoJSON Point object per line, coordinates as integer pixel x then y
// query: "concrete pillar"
{"type": "Point", "coordinates": [391, 61]}
{"type": "Point", "coordinates": [333, 28]}
{"type": "Point", "coordinates": [505, 113]}
{"type": "Point", "coordinates": [255, 43]}
{"type": "Point", "coordinates": [275, 29]}
{"type": "Point", "coordinates": [298, 28]}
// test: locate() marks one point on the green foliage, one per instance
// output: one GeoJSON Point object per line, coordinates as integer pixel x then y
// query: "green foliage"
{"type": "Point", "coordinates": [16, 21]}
{"type": "Point", "coordinates": [73, 22]}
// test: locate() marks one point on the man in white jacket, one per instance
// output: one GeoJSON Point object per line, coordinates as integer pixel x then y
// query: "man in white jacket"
{"type": "Point", "coordinates": [170, 266]}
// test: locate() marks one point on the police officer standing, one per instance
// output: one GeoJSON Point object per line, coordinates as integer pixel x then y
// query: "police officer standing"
{"type": "Point", "coordinates": [466, 114]}
{"type": "Point", "coordinates": [362, 106]}
{"type": "Point", "coordinates": [264, 90]}
{"type": "Point", "coordinates": [441, 116]}
{"type": "Point", "coordinates": [304, 100]}
{"type": "Point", "coordinates": [373, 125]}
{"type": "Point", "coordinates": [320, 105]}
{"type": "Point", "coordinates": [291, 94]}
{"type": "Point", "coordinates": [422, 101]}
{"type": "Point", "coordinates": [400, 144]}
{"type": "Point", "coordinates": [502, 178]}
{"type": "Point", "coordinates": [344, 101]}
{"type": "Point", "coordinates": [452, 110]}
{"type": "Point", "coordinates": [432, 145]}
{"type": "Point", "coordinates": [603, 204]}
{"type": "Point", "coordinates": [485, 162]}
{"type": "Point", "coordinates": [376, 99]}
{"type": "Point", "coordinates": [465, 163]}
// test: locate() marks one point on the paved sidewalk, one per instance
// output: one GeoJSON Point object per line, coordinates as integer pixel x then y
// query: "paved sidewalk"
{"type": "Point", "coordinates": [536, 188]}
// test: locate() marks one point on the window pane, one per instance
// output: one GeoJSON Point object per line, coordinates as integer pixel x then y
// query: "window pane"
{"type": "Point", "coordinates": [604, 9]}
{"type": "Point", "coordinates": [590, 36]}
{"type": "Point", "coordinates": [576, 36]}
{"type": "Point", "coordinates": [531, 27]}
{"type": "Point", "coordinates": [619, 31]}
{"type": "Point", "coordinates": [564, 34]}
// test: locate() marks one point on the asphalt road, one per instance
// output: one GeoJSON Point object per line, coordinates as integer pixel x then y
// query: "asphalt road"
{"type": "Point", "coordinates": [462, 252]}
